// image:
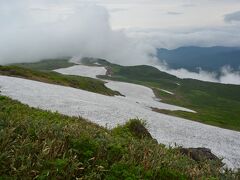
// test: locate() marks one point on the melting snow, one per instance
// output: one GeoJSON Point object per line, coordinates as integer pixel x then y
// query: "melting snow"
{"type": "Point", "coordinates": [166, 91]}
{"type": "Point", "coordinates": [111, 111]}
{"type": "Point", "coordinates": [81, 70]}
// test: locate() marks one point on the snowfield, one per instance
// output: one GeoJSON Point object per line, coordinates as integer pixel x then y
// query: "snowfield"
{"type": "Point", "coordinates": [80, 70]}
{"type": "Point", "coordinates": [110, 111]}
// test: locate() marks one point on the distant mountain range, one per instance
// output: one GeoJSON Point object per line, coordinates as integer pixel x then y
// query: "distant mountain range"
{"type": "Point", "coordinates": [207, 58]}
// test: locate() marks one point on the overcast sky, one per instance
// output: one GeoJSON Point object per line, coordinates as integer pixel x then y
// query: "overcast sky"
{"type": "Point", "coordinates": [174, 23]}
{"type": "Point", "coordinates": [169, 23]}
{"type": "Point", "coordinates": [165, 14]}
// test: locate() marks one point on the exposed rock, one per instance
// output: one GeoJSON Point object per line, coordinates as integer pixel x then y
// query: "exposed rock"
{"type": "Point", "coordinates": [109, 71]}
{"type": "Point", "coordinates": [199, 154]}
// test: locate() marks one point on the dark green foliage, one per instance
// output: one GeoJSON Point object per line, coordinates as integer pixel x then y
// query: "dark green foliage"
{"type": "Point", "coordinates": [36, 144]}
{"type": "Point", "coordinates": [79, 82]}
{"type": "Point", "coordinates": [84, 147]}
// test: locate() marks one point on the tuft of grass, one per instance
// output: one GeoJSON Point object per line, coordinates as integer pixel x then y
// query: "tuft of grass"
{"type": "Point", "coordinates": [133, 128]}
{"type": "Point", "coordinates": [37, 144]}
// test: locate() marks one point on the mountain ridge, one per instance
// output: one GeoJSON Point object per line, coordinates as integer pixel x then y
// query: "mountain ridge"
{"type": "Point", "coordinates": [208, 58]}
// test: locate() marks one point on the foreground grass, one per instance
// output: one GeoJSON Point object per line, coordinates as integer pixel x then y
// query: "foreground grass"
{"type": "Point", "coordinates": [216, 104]}
{"type": "Point", "coordinates": [84, 83]}
{"type": "Point", "coordinates": [36, 144]}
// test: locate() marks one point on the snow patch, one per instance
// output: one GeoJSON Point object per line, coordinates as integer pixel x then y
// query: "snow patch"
{"type": "Point", "coordinates": [81, 70]}
{"type": "Point", "coordinates": [168, 92]}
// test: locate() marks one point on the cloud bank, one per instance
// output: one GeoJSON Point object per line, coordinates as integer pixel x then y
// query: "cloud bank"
{"type": "Point", "coordinates": [226, 76]}
{"type": "Point", "coordinates": [30, 34]}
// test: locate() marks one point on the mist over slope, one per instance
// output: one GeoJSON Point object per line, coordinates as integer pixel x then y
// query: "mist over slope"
{"type": "Point", "coordinates": [214, 64]}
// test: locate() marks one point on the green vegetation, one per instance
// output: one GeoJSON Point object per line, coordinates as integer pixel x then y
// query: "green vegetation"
{"type": "Point", "coordinates": [216, 104]}
{"type": "Point", "coordinates": [47, 64]}
{"type": "Point", "coordinates": [37, 144]}
{"type": "Point", "coordinates": [84, 83]}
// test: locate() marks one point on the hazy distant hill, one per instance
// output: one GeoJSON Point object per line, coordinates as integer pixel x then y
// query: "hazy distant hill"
{"type": "Point", "coordinates": [208, 58]}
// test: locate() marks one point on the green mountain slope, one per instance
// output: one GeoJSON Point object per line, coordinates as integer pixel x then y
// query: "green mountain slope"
{"type": "Point", "coordinates": [215, 104]}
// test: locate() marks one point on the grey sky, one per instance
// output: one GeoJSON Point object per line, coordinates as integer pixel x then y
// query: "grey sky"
{"type": "Point", "coordinates": [171, 15]}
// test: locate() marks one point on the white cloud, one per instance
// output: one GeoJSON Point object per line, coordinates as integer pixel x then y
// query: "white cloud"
{"type": "Point", "coordinates": [226, 76]}
{"type": "Point", "coordinates": [28, 35]}
{"type": "Point", "coordinates": [185, 74]}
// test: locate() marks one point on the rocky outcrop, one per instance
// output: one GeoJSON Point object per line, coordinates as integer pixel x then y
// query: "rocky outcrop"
{"type": "Point", "coordinates": [199, 154]}
{"type": "Point", "coordinates": [109, 71]}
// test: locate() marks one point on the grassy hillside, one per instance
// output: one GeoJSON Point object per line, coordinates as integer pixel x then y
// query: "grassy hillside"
{"type": "Point", "coordinates": [143, 74]}
{"type": "Point", "coordinates": [37, 144]}
{"type": "Point", "coordinates": [84, 83]}
{"type": "Point", "coordinates": [215, 104]}
{"type": "Point", "coordinates": [47, 64]}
